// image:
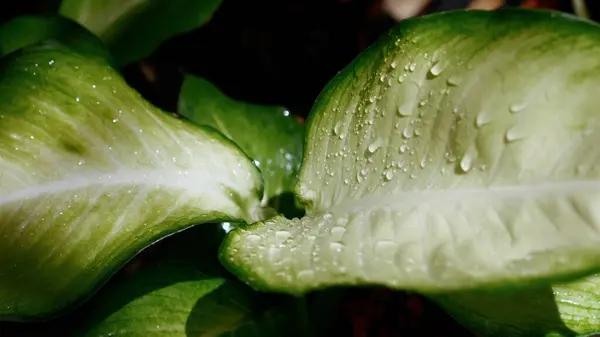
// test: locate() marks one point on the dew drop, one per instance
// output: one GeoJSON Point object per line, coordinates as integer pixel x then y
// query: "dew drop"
{"type": "Point", "coordinates": [513, 134]}
{"type": "Point", "coordinates": [407, 133]}
{"type": "Point", "coordinates": [385, 248]}
{"type": "Point", "coordinates": [412, 67]}
{"type": "Point", "coordinates": [404, 110]}
{"type": "Point", "coordinates": [306, 275]}
{"type": "Point", "coordinates": [253, 238]}
{"type": "Point", "coordinates": [394, 65]}
{"type": "Point", "coordinates": [517, 107]}
{"type": "Point", "coordinates": [388, 175]}
{"type": "Point", "coordinates": [336, 247]}
{"type": "Point", "coordinates": [337, 129]}
{"type": "Point", "coordinates": [374, 146]}
{"type": "Point", "coordinates": [482, 119]}
{"type": "Point", "coordinates": [337, 232]}
{"type": "Point", "coordinates": [436, 69]}
{"type": "Point", "coordinates": [453, 81]}
{"type": "Point", "coordinates": [400, 78]}
{"type": "Point", "coordinates": [466, 163]}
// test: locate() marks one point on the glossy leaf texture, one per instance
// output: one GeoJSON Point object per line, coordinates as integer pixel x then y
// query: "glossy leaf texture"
{"type": "Point", "coordinates": [458, 152]}
{"type": "Point", "coordinates": [91, 174]}
{"type": "Point", "coordinates": [177, 299]}
{"type": "Point", "coordinates": [133, 29]}
{"type": "Point", "coordinates": [27, 30]}
{"type": "Point", "coordinates": [564, 310]}
{"type": "Point", "coordinates": [268, 134]}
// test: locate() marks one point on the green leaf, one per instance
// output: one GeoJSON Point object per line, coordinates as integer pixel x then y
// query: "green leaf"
{"type": "Point", "coordinates": [134, 29]}
{"type": "Point", "coordinates": [91, 174]}
{"type": "Point", "coordinates": [457, 152]}
{"type": "Point", "coordinates": [27, 30]}
{"type": "Point", "coordinates": [268, 134]}
{"type": "Point", "coordinates": [571, 309]}
{"type": "Point", "coordinates": [177, 299]}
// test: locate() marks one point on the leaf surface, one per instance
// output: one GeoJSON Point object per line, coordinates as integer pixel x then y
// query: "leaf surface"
{"type": "Point", "coordinates": [457, 152]}
{"type": "Point", "coordinates": [91, 174]}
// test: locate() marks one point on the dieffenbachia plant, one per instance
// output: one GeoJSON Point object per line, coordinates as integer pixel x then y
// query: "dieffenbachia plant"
{"type": "Point", "coordinates": [92, 173]}
{"type": "Point", "coordinates": [133, 29]}
{"type": "Point", "coordinates": [456, 153]}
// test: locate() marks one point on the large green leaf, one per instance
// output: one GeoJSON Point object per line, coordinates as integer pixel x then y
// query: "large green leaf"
{"type": "Point", "coordinates": [565, 310]}
{"type": "Point", "coordinates": [31, 29]}
{"type": "Point", "coordinates": [91, 174]}
{"type": "Point", "coordinates": [268, 134]}
{"type": "Point", "coordinates": [458, 152]}
{"type": "Point", "coordinates": [135, 28]}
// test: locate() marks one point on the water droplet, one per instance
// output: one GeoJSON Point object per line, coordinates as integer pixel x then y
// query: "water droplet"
{"type": "Point", "coordinates": [336, 247]}
{"type": "Point", "coordinates": [252, 238]}
{"type": "Point", "coordinates": [337, 232]}
{"type": "Point", "coordinates": [482, 119]}
{"type": "Point", "coordinates": [385, 248]}
{"type": "Point", "coordinates": [400, 78]}
{"type": "Point", "coordinates": [517, 107]}
{"type": "Point", "coordinates": [453, 81]}
{"type": "Point", "coordinates": [375, 145]}
{"type": "Point", "coordinates": [274, 254]}
{"type": "Point", "coordinates": [407, 133]}
{"type": "Point", "coordinates": [466, 163]}
{"type": "Point", "coordinates": [282, 235]}
{"type": "Point", "coordinates": [306, 275]}
{"type": "Point", "coordinates": [513, 134]}
{"type": "Point", "coordinates": [412, 67]}
{"type": "Point", "coordinates": [77, 99]}
{"type": "Point", "coordinates": [115, 120]}
{"type": "Point", "coordinates": [436, 69]}
{"type": "Point", "coordinates": [363, 172]}
{"type": "Point", "coordinates": [404, 110]}
{"type": "Point", "coordinates": [455, 110]}
{"type": "Point", "coordinates": [394, 65]}
{"type": "Point", "coordinates": [337, 129]}
{"type": "Point", "coordinates": [388, 175]}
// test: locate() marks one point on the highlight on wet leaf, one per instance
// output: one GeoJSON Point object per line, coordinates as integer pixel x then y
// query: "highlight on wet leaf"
{"type": "Point", "coordinates": [456, 153]}
{"type": "Point", "coordinates": [562, 310]}
{"type": "Point", "coordinates": [92, 174]}
{"type": "Point", "coordinates": [268, 134]}
{"type": "Point", "coordinates": [133, 29]}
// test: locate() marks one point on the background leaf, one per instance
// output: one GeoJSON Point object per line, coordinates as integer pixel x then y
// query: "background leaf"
{"type": "Point", "coordinates": [133, 28]}
{"type": "Point", "coordinates": [92, 174]}
{"type": "Point", "coordinates": [23, 31]}
{"type": "Point", "coordinates": [565, 310]}
{"type": "Point", "coordinates": [417, 177]}
{"type": "Point", "coordinates": [268, 134]}
{"type": "Point", "coordinates": [185, 292]}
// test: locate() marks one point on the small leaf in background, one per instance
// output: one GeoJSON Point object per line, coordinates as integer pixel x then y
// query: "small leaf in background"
{"type": "Point", "coordinates": [133, 29]}
{"type": "Point", "coordinates": [565, 310]}
{"type": "Point", "coordinates": [177, 299]}
{"type": "Point", "coordinates": [28, 30]}
{"type": "Point", "coordinates": [91, 174]}
{"type": "Point", "coordinates": [268, 134]}
{"type": "Point", "coordinates": [458, 152]}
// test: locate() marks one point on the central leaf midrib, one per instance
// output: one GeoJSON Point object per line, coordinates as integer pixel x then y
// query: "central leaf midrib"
{"type": "Point", "coordinates": [524, 191]}
{"type": "Point", "coordinates": [167, 178]}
